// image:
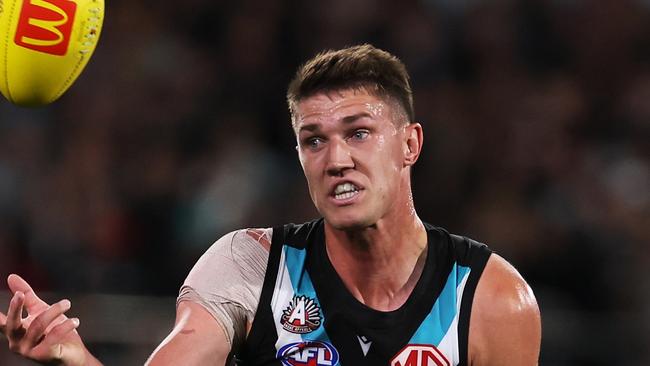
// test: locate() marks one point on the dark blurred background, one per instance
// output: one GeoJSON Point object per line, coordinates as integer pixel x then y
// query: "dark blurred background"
{"type": "Point", "coordinates": [537, 141]}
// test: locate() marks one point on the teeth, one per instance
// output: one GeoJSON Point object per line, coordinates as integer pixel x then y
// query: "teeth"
{"type": "Point", "coordinates": [345, 187]}
{"type": "Point", "coordinates": [343, 196]}
{"type": "Point", "coordinates": [345, 190]}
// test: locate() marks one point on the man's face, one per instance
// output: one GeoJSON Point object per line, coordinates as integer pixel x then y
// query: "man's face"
{"type": "Point", "coordinates": [352, 149]}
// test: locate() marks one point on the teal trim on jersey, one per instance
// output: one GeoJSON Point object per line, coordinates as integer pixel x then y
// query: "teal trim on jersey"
{"type": "Point", "coordinates": [437, 323]}
{"type": "Point", "coordinates": [462, 273]}
{"type": "Point", "coordinates": [302, 285]}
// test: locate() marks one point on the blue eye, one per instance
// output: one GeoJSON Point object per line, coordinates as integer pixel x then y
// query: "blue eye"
{"type": "Point", "coordinates": [360, 134]}
{"type": "Point", "coordinates": [313, 142]}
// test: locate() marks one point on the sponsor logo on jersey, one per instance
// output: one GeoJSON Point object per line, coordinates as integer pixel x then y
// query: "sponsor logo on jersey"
{"type": "Point", "coordinates": [365, 344]}
{"type": "Point", "coordinates": [419, 355]}
{"type": "Point", "coordinates": [301, 316]}
{"type": "Point", "coordinates": [46, 25]}
{"type": "Point", "coordinates": [308, 353]}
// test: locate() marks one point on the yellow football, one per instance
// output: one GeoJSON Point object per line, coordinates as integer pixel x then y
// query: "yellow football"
{"type": "Point", "coordinates": [44, 46]}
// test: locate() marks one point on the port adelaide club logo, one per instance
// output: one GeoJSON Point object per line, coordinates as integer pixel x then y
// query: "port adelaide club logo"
{"type": "Point", "coordinates": [302, 316]}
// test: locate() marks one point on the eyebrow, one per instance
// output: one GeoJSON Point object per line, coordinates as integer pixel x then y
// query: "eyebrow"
{"type": "Point", "coordinates": [355, 117]}
{"type": "Point", "coordinates": [346, 120]}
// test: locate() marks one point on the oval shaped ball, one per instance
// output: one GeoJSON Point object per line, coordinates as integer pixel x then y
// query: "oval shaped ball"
{"type": "Point", "coordinates": [45, 45]}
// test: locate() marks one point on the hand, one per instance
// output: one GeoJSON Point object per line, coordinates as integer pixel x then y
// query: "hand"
{"type": "Point", "coordinates": [46, 335]}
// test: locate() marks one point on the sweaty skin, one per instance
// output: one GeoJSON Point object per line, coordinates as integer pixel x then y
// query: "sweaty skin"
{"type": "Point", "coordinates": [349, 137]}
{"type": "Point", "coordinates": [356, 152]}
{"type": "Point", "coordinates": [349, 141]}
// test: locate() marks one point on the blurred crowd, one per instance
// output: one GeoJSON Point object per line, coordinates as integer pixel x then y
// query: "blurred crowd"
{"type": "Point", "coordinates": [537, 141]}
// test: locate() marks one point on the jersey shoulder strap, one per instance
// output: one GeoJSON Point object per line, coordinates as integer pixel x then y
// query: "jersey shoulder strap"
{"type": "Point", "coordinates": [469, 257]}
{"type": "Point", "coordinates": [259, 347]}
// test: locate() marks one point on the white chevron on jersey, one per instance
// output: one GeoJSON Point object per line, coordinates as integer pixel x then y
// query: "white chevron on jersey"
{"type": "Point", "coordinates": [449, 343]}
{"type": "Point", "coordinates": [282, 295]}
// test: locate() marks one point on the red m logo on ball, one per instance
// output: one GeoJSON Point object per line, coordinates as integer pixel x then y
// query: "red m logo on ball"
{"type": "Point", "coordinates": [45, 25]}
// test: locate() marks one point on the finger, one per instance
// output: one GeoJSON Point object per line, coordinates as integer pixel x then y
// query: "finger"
{"type": "Point", "coordinates": [52, 346]}
{"type": "Point", "coordinates": [32, 302]}
{"type": "Point", "coordinates": [45, 320]}
{"type": "Point", "coordinates": [3, 322]}
{"type": "Point", "coordinates": [57, 333]}
{"type": "Point", "coordinates": [14, 327]}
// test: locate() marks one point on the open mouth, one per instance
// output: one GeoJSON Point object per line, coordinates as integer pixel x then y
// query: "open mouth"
{"type": "Point", "coordinates": [345, 191]}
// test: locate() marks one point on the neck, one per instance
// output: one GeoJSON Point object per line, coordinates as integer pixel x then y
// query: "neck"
{"type": "Point", "coordinates": [380, 265]}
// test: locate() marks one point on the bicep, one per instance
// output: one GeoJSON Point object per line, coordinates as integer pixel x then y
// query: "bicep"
{"type": "Point", "coordinates": [505, 325]}
{"type": "Point", "coordinates": [216, 303]}
{"type": "Point", "coordinates": [227, 280]}
{"type": "Point", "coordinates": [197, 339]}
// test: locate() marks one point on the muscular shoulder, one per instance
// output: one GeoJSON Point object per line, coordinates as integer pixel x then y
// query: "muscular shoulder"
{"type": "Point", "coordinates": [233, 255]}
{"type": "Point", "coordinates": [227, 280]}
{"type": "Point", "coordinates": [242, 241]}
{"type": "Point", "coordinates": [505, 325]}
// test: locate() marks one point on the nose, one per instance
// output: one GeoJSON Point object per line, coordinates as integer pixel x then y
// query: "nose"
{"type": "Point", "coordinates": [339, 157]}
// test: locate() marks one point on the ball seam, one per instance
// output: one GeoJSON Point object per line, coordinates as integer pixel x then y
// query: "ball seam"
{"type": "Point", "coordinates": [74, 74]}
{"type": "Point", "coordinates": [6, 55]}
{"type": "Point", "coordinates": [71, 76]}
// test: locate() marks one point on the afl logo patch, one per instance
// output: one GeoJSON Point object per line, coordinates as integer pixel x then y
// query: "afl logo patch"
{"type": "Point", "coordinates": [308, 353]}
{"type": "Point", "coordinates": [301, 316]}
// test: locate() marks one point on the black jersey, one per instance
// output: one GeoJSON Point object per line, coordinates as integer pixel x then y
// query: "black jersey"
{"type": "Point", "coordinates": [306, 316]}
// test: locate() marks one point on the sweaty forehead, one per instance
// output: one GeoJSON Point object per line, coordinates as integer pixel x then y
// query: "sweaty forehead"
{"type": "Point", "coordinates": [338, 105]}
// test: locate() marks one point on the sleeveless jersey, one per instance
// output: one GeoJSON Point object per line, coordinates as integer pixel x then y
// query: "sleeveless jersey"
{"type": "Point", "coordinates": [306, 316]}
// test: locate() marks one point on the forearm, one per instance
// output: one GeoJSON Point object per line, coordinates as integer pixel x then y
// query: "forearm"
{"type": "Point", "coordinates": [74, 355]}
{"type": "Point", "coordinates": [196, 339]}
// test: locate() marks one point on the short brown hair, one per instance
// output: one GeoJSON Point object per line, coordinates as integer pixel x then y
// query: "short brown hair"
{"type": "Point", "coordinates": [363, 66]}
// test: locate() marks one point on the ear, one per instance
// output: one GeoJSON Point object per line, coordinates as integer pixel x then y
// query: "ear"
{"type": "Point", "coordinates": [412, 143]}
